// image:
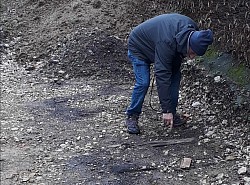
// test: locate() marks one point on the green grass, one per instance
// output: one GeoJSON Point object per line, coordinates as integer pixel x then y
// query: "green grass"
{"type": "Point", "coordinates": [211, 53]}
{"type": "Point", "coordinates": [240, 74]}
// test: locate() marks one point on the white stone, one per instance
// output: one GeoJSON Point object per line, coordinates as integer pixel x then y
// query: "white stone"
{"type": "Point", "coordinates": [217, 79]}
{"type": "Point", "coordinates": [242, 171]}
{"type": "Point", "coordinates": [144, 167]}
{"type": "Point", "coordinates": [14, 128]}
{"type": "Point", "coordinates": [63, 145]}
{"type": "Point", "coordinates": [206, 140]}
{"type": "Point", "coordinates": [25, 178]}
{"type": "Point", "coordinates": [61, 72]}
{"type": "Point", "coordinates": [185, 163]}
{"type": "Point", "coordinates": [16, 139]}
{"type": "Point", "coordinates": [196, 104]}
{"type": "Point", "coordinates": [247, 179]}
{"type": "Point", "coordinates": [165, 152]}
{"type": "Point", "coordinates": [224, 122]}
{"type": "Point", "coordinates": [209, 133]}
{"type": "Point", "coordinates": [220, 176]}
{"type": "Point", "coordinates": [230, 158]}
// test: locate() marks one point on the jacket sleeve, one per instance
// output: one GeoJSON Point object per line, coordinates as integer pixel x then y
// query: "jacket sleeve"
{"type": "Point", "coordinates": [164, 56]}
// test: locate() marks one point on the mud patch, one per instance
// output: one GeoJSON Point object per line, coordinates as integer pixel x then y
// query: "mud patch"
{"type": "Point", "coordinates": [61, 108]}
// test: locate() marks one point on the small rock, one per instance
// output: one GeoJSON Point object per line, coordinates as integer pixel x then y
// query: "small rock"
{"type": "Point", "coordinates": [91, 52]}
{"type": "Point", "coordinates": [16, 139]}
{"type": "Point", "coordinates": [165, 152]}
{"type": "Point", "coordinates": [194, 127]}
{"type": "Point", "coordinates": [39, 178]}
{"type": "Point", "coordinates": [220, 182]}
{"type": "Point", "coordinates": [224, 122]}
{"type": "Point", "coordinates": [196, 104]}
{"type": "Point", "coordinates": [10, 176]}
{"type": "Point", "coordinates": [197, 83]}
{"type": "Point", "coordinates": [247, 179]}
{"type": "Point", "coordinates": [203, 181]}
{"type": "Point", "coordinates": [144, 167]}
{"type": "Point", "coordinates": [78, 138]}
{"type": "Point", "coordinates": [236, 183]}
{"type": "Point", "coordinates": [220, 176]}
{"type": "Point", "coordinates": [185, 163]}
{"type": "Point", "coordinates": [217, 79]}
{"type": "Point", "coordinates": [3, 141]}
{"type": "Point", "coordinates": [206, 140]}
{"type": "Point", "coordinates": [209, 133]}
{"type": "Point", "coordinates": [55, 79]}
{"type": "Point", "coordinates": [32, 175]}
{"type": "Point", "coordinates": [61, 72]}
{"type": "Point", "coordinates": [63, 145]}
{"type": "Point", "coordinates": [66, 76]}
{"type": "Point", "coordinates": [230, 158]}
{"type": "Point", "coordinates": [14, 129]}
{"type": "Point", "coordinates": [25, 178]}
{"type": "Point", "coordinates": [242, 171]}
{"type": "Point", "coordinates": [180, 175]}
{"type": "Point", "coordinates": [114, 146]}
{"type": "Point", "coordinates": [165, 169]}
{"type": "Point", "coordinates": [6, 45]}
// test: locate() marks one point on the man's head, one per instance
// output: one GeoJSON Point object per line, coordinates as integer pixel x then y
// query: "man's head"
{"type": "Point", "coordinates": [199, 42]}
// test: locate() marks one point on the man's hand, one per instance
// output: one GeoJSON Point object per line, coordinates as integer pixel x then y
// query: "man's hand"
{"type": "Point", "coordinates": [168, 119]}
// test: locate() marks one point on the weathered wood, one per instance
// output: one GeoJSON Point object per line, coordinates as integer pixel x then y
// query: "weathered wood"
{"type": "Point", "coordinates": [160, 143]}
{"type": "Point", "coordinates": [168, 142]}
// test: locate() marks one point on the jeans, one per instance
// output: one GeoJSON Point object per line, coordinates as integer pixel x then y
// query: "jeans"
{"type": "Point", "coordinates": [142, 81]}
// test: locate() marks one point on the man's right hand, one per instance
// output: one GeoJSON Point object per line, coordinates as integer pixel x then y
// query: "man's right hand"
{"type": "Point", "coordinates": [168, 119]}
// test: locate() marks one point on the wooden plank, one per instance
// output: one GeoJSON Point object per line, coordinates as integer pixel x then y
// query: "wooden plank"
{"type": "Point", "coordinates": [169, 142]}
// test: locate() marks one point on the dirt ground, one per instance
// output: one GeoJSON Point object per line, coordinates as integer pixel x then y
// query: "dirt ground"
{"type": "Point", "coordinates": [65, 86]}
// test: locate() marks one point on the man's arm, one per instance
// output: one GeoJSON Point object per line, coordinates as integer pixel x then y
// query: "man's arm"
{"type": "Point", "coordinates": [163, 71]}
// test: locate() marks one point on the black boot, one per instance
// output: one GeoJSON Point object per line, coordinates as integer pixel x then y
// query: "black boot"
{"type": "Point", "coordinates": [132, 124]}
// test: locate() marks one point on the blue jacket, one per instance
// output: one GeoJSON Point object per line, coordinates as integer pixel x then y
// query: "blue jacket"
{"type": "Point", "coordinates": [162, 40]}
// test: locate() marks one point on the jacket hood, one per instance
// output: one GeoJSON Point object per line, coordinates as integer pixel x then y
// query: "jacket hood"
{"type": "Point", "coordinates": [182, 39]}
